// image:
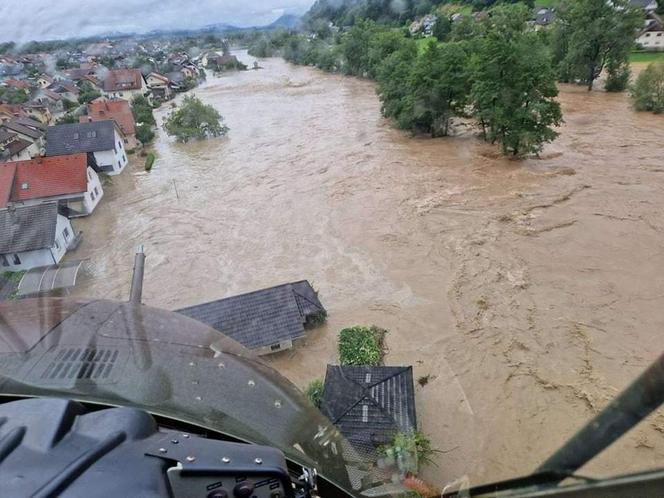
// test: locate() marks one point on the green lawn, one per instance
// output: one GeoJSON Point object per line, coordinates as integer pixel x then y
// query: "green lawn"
{"type": "Point", "coordinates": [422, 43]}
{"type": "Point", "coordinates": [646, 56]}
{"type": "Point", "coordinates": [546, 3]}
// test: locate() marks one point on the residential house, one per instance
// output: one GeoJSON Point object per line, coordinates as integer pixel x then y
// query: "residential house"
{"type": "Point", "coordinates": [27, 129]}
{"type": "Point", "coordinates": [543, 17]}
{"type": "Point", "coordinates": [38, 111]}
{"type": "Point", "coordinates": [647, 5]}
{"type": "Point", "coordinates": [369, 405]}
{"type": "Point", "coordinates": [71, 181]}
{"type": "Point", "coordinates": [14, 148]}
{"type": "Point", "coordinates": [266, 320]}
{"type": "Point", "coordinates": [78, 73]}
{"type": "Point", "coordinates": [651, 37]}
{"type": "Point", "coordinates": [66, 89]}
{"type": "Point", "coordinates": [50, 99]}
{"type": "Point", "coordinates": [424, 25]}
{"type": "Point", "coordinates": [176, 80]}
{"type": "Point", "coordinates": [18, 84]}
{"type": "Point", "coordinates": [189, 71]}
{"type": "Point", "coordinates": [11, 111]}
{"type": "Point", "coordinates": [32, 236]}
{"type": "Point", "coordinates": [103, 139]}
{"type": "Point", "coordinates": [119, 110]}
{"type": "Point", "coordinates": [44, 80]}
{"type": "Point", "coordinates": [124, 83]}
{"type": "Point", "coordinates": [159, 86]}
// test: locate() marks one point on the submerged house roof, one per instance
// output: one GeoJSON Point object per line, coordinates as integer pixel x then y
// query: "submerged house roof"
{"type": "Point", "coordinates": [369, 404]}
{"type": "Point", "coordinates": [261, 318]}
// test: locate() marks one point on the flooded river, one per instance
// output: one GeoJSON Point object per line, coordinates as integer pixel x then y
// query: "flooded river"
{"type": "Point", "coordinates": [526, 293]}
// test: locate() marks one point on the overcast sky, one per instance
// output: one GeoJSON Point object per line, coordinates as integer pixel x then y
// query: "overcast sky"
{"type": "Point", "coordinates": [24, 20]}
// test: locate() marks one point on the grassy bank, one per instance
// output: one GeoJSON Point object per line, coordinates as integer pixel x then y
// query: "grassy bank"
{"type": "Point", "coordinates": [646, 56]}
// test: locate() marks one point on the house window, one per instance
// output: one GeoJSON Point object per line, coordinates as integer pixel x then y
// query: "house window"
{"type": "Point", "coordinates": [124, 158]}
{"type": "Point", "coordinates": [4, 260]}
{"type": "Point", "coordinates": [91, 134]}
{"type": "Point", "coordinates": [114, 149]}
{"type": "Point", "coordinates": [76, 136]}
{"type": "Point", "coordinates": [275, 347]}
{"type": "Point", "coordinates": [65, 232]}
{"type": "Point", "coordinates": [119, 145]}
{"type": "Point", "coordinates": [92, 195]}
{"type": "Point", "coordinates": [96, 191]}
{"type": "Point", "coordinates": [25, 186]}
{"type": "Point", "coordinates": [659, 34]}
{"type": "Point", "coordinates": [17, 260]}
{"type": "Point", "coordinates": [647, 34]}
{"type": "Point", "coordinates": [57, 245]}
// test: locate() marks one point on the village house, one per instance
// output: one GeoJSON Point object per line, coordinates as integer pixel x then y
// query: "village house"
{"type": "Point", "coordinates": [44, 80]}
{"type": "Point", "coordinates": [37, 111]}
{"type": "Point", "coordinates": [50, 99]}
{"type": "Point", "coordinates": [18, 84]}
{"type": "Point", "coordinates": [543, 17]}
{"type": "Point", "coordinates": [66, 89]}
{"type": "Point", "coordinates": [11, 111]}
{"type": "Point", "coordinates": [14, 148]}
{"type": "Point", "coordinates": [103, 139]}
{"type": "Point", "coordinates": [369, 405]}
{"type": "Point", "coordinates": [647, 5]}
{"type": "Point", "coordinates": [27, 129]}
{"type": "Point", "coordinates": [264, 321]}
{"type": "Point", "coordinates": [124, 83]}
{"type": "Point", "coordinates": [159, 86]}
{"type": "Point", "coordinates": [651, 37]}
{"type": "Point", "coordinates": [71, 181]}
{"type": "Point", "coordinates": [119, 110]}
{"type": "Point", "coordinates": [32, 236]}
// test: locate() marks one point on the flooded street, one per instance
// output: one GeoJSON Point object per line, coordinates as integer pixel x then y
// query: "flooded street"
{"type": "Point", "coordinates": [526, 293]}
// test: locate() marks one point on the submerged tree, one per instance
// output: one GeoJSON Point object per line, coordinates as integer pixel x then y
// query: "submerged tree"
{"type": "Point", "coordinates": [648, 91]}
{"type": "Point", "coordinates": [194, 119]}
{"type": "Point", "coordinates": [514, 85]}
{"type": "Point", "coordinates": [593, 35]}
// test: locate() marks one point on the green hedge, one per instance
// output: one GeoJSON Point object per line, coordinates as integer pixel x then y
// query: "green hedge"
{"type": "Point", "coordinates": [361, 346]}
{"type": "Point", "coordinates": [149, 160]}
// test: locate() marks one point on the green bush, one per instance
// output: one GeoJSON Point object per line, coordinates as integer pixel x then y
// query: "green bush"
{"type": "Point", "coordinates": [648, 91]}
{"type": "Point", "coordinates": [410, 451]}
{"type": "Point", "coordinates": [314, 392]}
{"type": "Point", "coordinates": [361, 346]}
{"type": "Point", "coordinates": [149, 160]}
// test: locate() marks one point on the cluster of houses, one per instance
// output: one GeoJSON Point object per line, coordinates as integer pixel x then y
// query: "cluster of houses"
{"type": "Point", "coordinates": [650, 37]}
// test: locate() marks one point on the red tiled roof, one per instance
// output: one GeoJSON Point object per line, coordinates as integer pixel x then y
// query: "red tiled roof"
{"type": "Point", "coordinates": [23, 85]}
{"type": "Point", "coordinates": [122, 79]}
{"type": "Point", "coordinates": [7, 171]}
{"type": "Point", "coordinates": [118, 110]}
{"type": "Point", "coordinates": [50, 176]}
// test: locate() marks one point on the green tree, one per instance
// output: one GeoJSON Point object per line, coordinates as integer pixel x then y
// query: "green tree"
{"type": "Point", "coordinates": [12, 95]}
{"type": "Point", "coordinates": [438, 87]}
{"type": "Point", "coordinates": [598, 35]}
{"type": "Point", "coordinates": [88, 92]}
{"type": "Point", "coordinates": [648, 90]}
{"type": "Point", "coordinates": [67, 119]}
{"type": "Point", "coordinates": [144, 133]}
{"type": "Point", "coordinates": [382, 45]}
{"type": "Point", "coordinates": [194, 119]}
{"type": "Point", "coordinates": [514, 86]}
{"type": "Point", "coordinates": [443, 28]}
{"type": "Point", "coordinates": [142, 110]}
{"type": "Point", "coordinates": [355, 45]}
{"type": "Point", "coordinates": [391, 75]}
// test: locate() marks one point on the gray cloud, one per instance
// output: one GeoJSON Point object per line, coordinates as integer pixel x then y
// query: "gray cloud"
{"type": "Point", "coordinates": [25, 20]}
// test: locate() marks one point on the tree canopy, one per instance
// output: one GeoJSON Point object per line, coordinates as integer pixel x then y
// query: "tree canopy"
{"type": "Point", "coordinates": [648, 90]}
{"type": "Point", "coordinates": [593, 35]}
{"type": "Point", "coordinates": [194, 120]}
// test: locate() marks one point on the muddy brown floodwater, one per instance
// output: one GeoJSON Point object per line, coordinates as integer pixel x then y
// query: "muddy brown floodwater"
{"type": "Point", "coordinates": [529, 293]}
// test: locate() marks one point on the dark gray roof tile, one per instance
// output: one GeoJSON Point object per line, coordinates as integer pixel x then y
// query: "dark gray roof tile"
{"type": "Point", "coordinates": [369, 404]}
{"type": "Point", "coordinates": [27, 228]}
{"type": "Point", "coordinates": [263, 317]}
{"type": "Point", "coordinates": [80, 137]}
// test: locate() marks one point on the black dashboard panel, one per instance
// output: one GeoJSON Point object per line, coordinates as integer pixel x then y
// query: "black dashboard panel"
{"type": "Point", "coordinates": [57, 447]}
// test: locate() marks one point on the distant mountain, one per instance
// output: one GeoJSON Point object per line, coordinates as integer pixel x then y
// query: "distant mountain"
{"type": "Point", "coordinates": [288, 21]}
